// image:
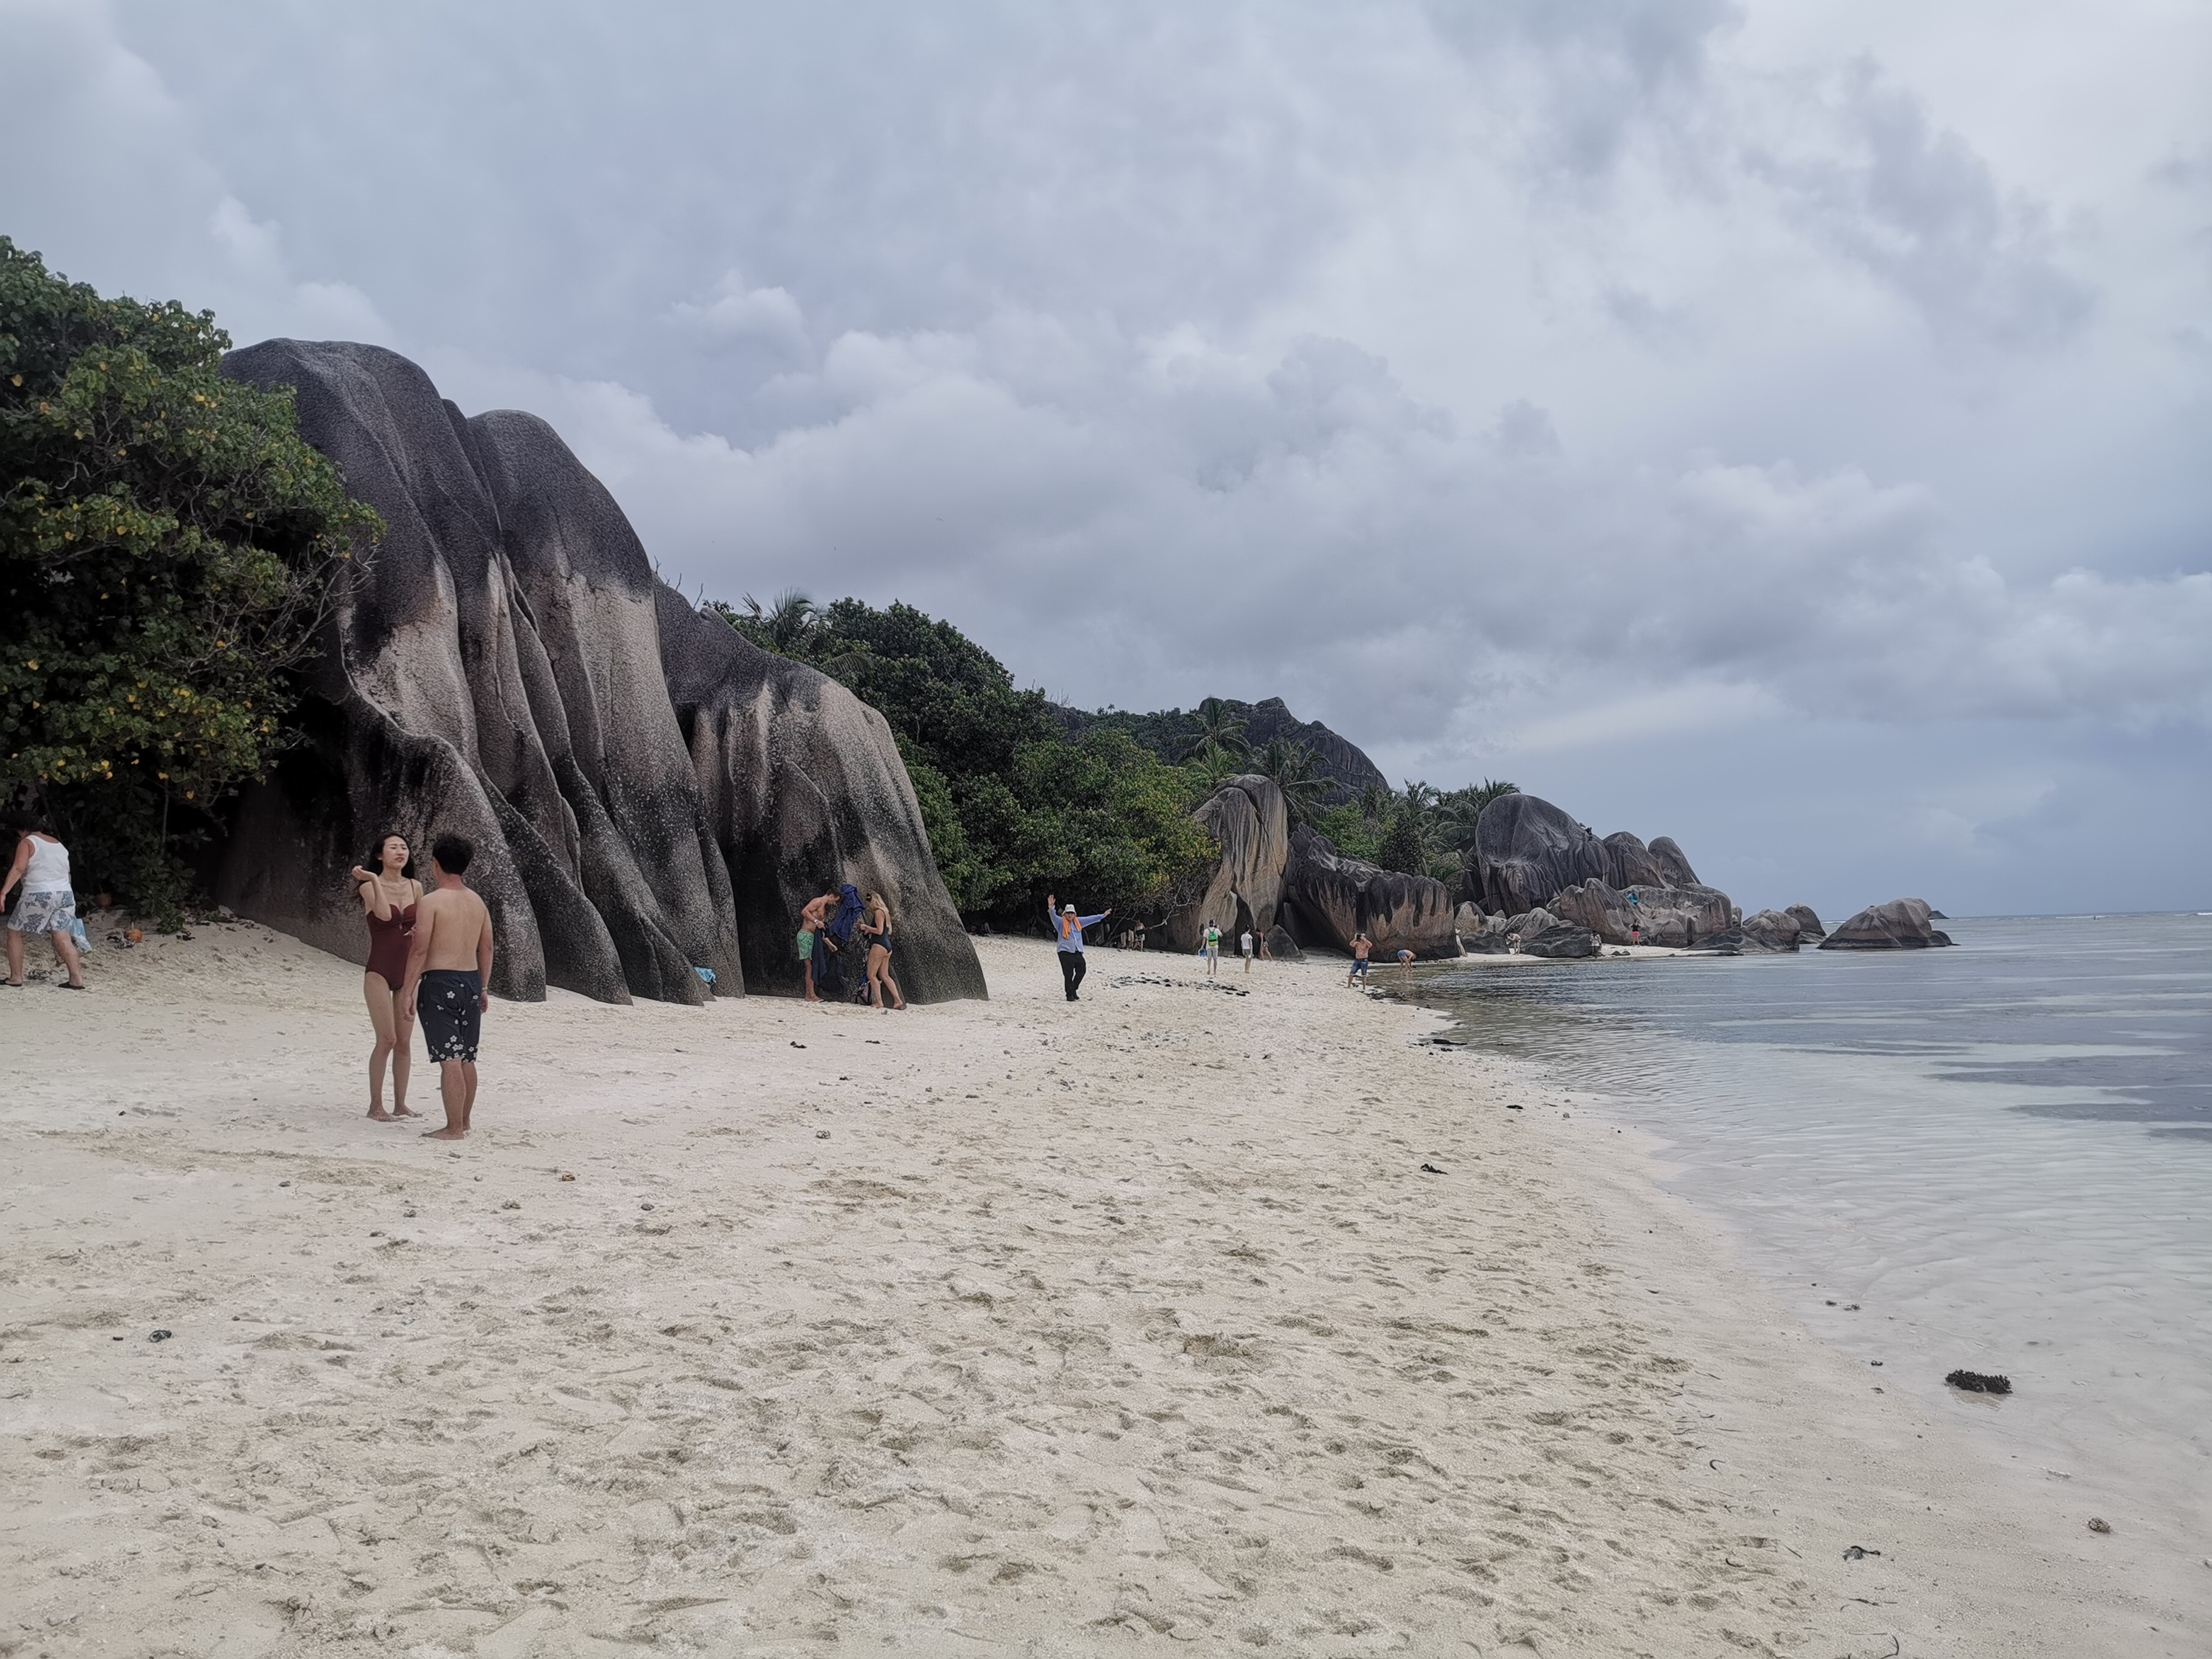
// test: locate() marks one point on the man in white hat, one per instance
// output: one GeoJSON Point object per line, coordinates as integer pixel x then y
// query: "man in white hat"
{"type": "Point", "coordinates": [1067, 933]}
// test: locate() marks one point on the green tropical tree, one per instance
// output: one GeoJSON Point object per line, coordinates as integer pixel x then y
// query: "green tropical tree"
{"type": "Point", "coordinates": [1295, 772]}
{"type": "Point", "coordinates": [1219, 727]}
{"type": "Point", "coordinates": [169, 548]}
{"type": "Point", "coordinates": [1403, 850]}
{"type": "Point", "coordinates": [1013, 806]}
{"type": "Point", "coordinates": [784, 625]}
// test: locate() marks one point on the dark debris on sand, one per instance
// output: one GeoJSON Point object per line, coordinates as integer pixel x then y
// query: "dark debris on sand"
{"type": "Point", "coordinates": [1976, 1383]}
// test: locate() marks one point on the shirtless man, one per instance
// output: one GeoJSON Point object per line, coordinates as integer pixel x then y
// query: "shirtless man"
{"type": "Point", "coordinates": [812, 920]}
{"type": "Point", "coordinates": [1361, 945]}
{"type": "Point", "coordinates": [448, 969]}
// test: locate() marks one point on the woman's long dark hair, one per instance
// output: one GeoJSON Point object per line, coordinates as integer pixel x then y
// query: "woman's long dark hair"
{"type": "Point", "coordinates": [374, 862]}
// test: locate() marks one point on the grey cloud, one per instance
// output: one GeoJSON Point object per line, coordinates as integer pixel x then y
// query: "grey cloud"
{"type": "Point", "coordinates": [1604, 64]}
{"type": "Point", "coordinates": [1917, 206]}
{"type": "Point", "coordinates": [1245, 337]}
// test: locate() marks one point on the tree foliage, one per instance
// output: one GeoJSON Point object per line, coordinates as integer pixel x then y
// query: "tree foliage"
{"type": "Point", "coordinates": [1419, 830]}
{"type": "Point", "coordinates": [169, 548]}
{"type": "Point", "coordinates": [1014, 808]}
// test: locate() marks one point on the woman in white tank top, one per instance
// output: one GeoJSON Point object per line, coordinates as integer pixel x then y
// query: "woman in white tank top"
{"type": "Point", "coordinates": [48, 905]}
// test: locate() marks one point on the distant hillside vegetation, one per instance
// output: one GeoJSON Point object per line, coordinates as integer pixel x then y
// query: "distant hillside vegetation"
{"type": "Point", "coordinates": [1170, 733]}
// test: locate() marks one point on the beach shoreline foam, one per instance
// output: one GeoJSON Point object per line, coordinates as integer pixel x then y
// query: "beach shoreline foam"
{"type": "Point", "coordinates": [1006, 1324]}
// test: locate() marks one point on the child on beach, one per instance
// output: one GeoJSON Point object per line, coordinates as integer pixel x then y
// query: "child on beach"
{"type": "Point", "coordinates": [448, 967]}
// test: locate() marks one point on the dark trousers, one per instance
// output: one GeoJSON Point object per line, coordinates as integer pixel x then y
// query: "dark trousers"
{"type": "Point", "coordinates": [1071, 970]}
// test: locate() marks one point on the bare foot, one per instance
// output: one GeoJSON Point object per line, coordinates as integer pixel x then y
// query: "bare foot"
{"type": "Point", "coordinates": [445, 1134]}
{"type": "Point", "coordinates": [402, 1110]}
{"type": "Point", "coordinates": [378, 1115]}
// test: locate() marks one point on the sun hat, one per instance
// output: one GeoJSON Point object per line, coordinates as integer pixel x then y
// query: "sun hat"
{"type": "Point", "coordinates": [1067, 909]}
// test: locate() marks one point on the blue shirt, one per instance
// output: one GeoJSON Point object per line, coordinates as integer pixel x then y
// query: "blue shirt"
{"type": "Point", "coordinates": [1069, 934]}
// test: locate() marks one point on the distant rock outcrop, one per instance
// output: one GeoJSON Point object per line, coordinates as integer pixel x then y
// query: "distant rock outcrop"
{"type": "Point", "coordinates": [1336, 757]}
{"type": "Point", "coordinates": [1567, 939]}
{"type": "Point", "coordinates": [1771, 931]}
{"type": "Point", "coordinates": [1331, 897]}
{"type": "Point", "coordinates": [649, 794]}
{"type": "Point", "coordinates": [1527, 924]}
{"type": "Point", "coordinates": [1629, 863]}
{"type": "Point", "coordinates": [1528, 849]}
{"type": "Point", "coordinates": [1480, 934]}
{"type": "Point", "coordinates": [1680, 916]}
{"type": "Point", "coordinates": [1900, 925]}
{"type": "Point", "coordinates": [1673, 864]}
{"type": "Point", "coordinates": [1248, 822]}
{"type": "Point", "coordinates": [1809, 924]}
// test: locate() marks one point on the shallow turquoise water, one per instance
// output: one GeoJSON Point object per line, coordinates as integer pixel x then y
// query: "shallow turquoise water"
{"type": "Point", "coordinates": [2001, 1153]}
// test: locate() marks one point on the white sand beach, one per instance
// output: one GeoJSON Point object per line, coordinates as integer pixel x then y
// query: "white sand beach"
{"type": "Point", "coordinates": [1010, 1327]}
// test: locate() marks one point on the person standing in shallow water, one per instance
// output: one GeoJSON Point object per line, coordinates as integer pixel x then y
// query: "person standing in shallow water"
{"type": "Point", "coordinates": [389, 893]}
{"type": "Point", "coordinates": [1067, 929]}
{"type": "Point", "coordinates": [448, 967]}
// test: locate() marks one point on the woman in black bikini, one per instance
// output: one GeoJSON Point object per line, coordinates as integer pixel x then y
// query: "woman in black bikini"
{"type": "Point", "coordinates": [877, 926]}
{"type": "Point", "coordinates": [388, 894]}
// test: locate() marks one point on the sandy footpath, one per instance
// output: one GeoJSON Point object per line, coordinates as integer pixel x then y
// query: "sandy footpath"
{"type": "Point", "coordinates": [1010, 1327]}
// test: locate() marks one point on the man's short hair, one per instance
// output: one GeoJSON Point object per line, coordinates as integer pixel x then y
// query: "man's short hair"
{"type": "Point", "coordinates": [453, 854]}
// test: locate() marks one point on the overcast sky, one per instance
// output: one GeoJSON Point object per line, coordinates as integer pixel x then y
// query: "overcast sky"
{"type": "Point", "coordinates": [1780, 426]}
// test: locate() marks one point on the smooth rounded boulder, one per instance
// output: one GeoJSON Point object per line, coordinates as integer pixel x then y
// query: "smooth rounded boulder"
{"type": "Point", "coordinates": [1330, 898]}
{"type": "Point", "coordinates": [503, 668]}
{"type": "Point", "coordinates": [1249, 822]}
{"type": "Point", "coordinates": [1900, 925]}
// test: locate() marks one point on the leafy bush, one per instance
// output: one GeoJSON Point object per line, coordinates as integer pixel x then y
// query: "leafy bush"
{"type": "Point", "coordinates": [169, 549]}
{"type": "Point", "coordinates": [1014, 808]}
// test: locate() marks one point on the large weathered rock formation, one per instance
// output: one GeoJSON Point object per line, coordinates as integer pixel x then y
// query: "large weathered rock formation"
{"type": "Point", "coordinates": [1248, 821]}
{"type": "Point", "coordinates": [1529, 853]}
{"type": "Point", "coordinates": [1770, 931]}
{"type": "Point", "coordinates": [1528, 849]}
{"type": "Point", "coordinates": [1330, 898]}
{"type": "Point", "coordinates": [649, 794]}
{"type": "Point", "coordinates": [1666, 916]}
{"type": "Point", "coordinates": [1566, 939]}
{"type": "Point", "coordinates": [1900, 925]}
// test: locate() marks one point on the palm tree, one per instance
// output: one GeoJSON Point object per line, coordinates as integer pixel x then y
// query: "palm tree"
{"type": "Point", "coordinates": [783, 626]}
{"type": "Point", "coordinates": [1456, 816]}
{"type": "Point", "coordinates": [1292, 767]}
{"type": "Point", "coordinates": [1490, 790]}
{"type": "Point", "coordinates": [1212, 762]}
{"type": "Point", "coordinates": [1373, 802]}
{"type": "Point", "coordinates": [1219, 727]}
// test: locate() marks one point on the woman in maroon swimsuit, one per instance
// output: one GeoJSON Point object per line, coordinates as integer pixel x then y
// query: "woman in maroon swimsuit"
{"type": "Point", "coordinates": [388, 894]}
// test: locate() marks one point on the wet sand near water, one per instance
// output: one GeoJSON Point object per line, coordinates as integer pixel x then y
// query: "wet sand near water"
{"type": "Point", "coordinates": [1016, 1326]}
